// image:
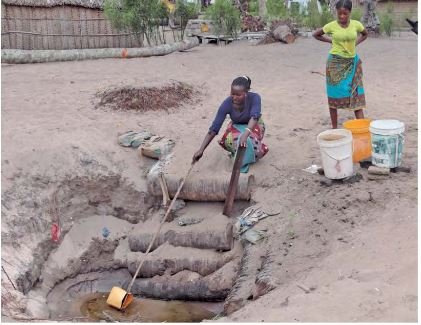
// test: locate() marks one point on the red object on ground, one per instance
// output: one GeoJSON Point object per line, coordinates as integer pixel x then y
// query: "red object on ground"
{"type": "Point", "coordinates": [55, 232]}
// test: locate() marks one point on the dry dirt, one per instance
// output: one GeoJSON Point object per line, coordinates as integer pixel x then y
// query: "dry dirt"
{"type": "Point", "coordinates": [354, 246]}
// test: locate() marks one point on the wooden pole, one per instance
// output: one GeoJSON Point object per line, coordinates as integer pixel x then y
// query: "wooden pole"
{"type": "Point", "coordinates": [232, 188]}
{"type": "Point", "coordinates": [39, 56]}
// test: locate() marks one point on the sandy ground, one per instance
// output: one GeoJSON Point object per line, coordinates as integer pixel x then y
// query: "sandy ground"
{"type": "Point", "coordinates": [355, 245]}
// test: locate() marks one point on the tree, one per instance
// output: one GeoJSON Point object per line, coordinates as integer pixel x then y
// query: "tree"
{"type": "Point", "coordinates": [262, 8]}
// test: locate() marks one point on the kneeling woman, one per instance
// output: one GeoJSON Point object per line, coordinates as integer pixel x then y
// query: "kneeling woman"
{"type": "Point", "coordinates": [246, 128]}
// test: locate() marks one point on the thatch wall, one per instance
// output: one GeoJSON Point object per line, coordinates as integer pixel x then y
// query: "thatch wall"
{"type": "Point", "coordinates": [48, 26]}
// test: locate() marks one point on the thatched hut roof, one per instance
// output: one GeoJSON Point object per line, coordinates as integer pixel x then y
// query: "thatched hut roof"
{"type": "Point", "coordinates": [93, 4]}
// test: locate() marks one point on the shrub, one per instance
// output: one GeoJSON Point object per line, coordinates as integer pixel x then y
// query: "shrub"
{"type": "Point", "coordinates": [142, 17]}
{"type": "Point", "coordinates": [183, 12]}
{"type": "Point", "coordinates": [315, 19]}
{"type": "Point", "coordinates": [312, 19]}
{"type": "Point", "coordinates": [356, 14]}
{"type": "Point", "coordinates": [253, 8]}
{"type": "Point", "coordinates": [386, 24]}
{"type": "Point", "coordinates": [326, 16]}
{"type": "Point", "coordinates": [276, 9]}
{"type": "Point", "coordinates": [225, 17]}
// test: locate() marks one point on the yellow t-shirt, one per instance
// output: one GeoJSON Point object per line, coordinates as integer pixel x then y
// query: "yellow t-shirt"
{"type": "Point", "coordinates": [343, 39]}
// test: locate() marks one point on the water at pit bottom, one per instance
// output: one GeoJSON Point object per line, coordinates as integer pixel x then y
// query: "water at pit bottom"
{"type": "Point", "coordinates": [94, 307]}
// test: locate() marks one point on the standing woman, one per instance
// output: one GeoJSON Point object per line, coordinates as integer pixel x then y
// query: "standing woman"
{"type": "Point", "coordinates": [344, 74]}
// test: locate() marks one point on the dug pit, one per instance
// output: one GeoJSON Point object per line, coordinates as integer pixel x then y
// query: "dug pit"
{"type": "Point", "coordinates": [186, 277]}
{"type": "Point", "coordinates": [107, 222]}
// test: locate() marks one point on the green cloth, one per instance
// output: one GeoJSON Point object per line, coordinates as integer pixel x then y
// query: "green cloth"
{"type": "Point", "coordinates": [134, 139]}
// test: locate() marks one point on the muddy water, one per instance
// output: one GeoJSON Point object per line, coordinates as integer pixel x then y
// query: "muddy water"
{"type": "Point", "coordinates": [94, 308]}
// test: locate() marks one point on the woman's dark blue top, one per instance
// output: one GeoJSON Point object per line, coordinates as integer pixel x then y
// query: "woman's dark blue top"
{"type": "Point", "coordinates": [252, 108]}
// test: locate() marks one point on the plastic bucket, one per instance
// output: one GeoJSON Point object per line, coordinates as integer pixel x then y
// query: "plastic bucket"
{"type": "Point", "coordinates": [387, 142]}
{"type": "Point", "coordinates": [361, 138]}
{"type": "Point", "coordinates": [336, 151]}
{"type": "Point", "coordinates": [119, 298]}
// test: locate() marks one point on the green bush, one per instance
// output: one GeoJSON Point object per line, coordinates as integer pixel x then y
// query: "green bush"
{"type": "Point", "coordinates": [142, 17]}
{"type": "Point", "coordinates": [326, 16]}
{"type": "Point", "coordinates": [386, 20]}
{"type": "Point", "coordinates": [276, 9]}
{"type": "Point", "coordinates": [314, 19]}
{"type": "Point", "coordinates": [389, 7]}
{"type": "Point", "coordinates": [225, 17]}
{"type": "Point", "coordinates": [183, 12]}
{"type": "Point", "coordinates": [253, 8]}
{"type": "Point", "coordinates": [386, 24]}
{"type": "Point", "coordinates": [294, 10]}
{"type": "Point", "coordinates": [356, 14]}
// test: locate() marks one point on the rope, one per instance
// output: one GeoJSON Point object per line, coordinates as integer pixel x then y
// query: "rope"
{"type": "Point", "coordinates": [159, 228]}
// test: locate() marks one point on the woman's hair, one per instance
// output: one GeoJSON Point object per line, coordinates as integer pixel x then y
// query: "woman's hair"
{"type": "Point", "coordinates": [347, 4]}
{"type": "Point", "coordinates": [243, 81]}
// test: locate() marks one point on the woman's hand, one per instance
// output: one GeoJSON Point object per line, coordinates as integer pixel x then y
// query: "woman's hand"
{"type": "Point", "coordinates": [319, 35]}
{"type": "Point", "coordinates": [199, 153]}
{"type": "Point", "coordinates": [363, 37]}
{"type": "Point", "coordinates": [197, 156]}
{"type": "Point", "coordinates": [243, 139]}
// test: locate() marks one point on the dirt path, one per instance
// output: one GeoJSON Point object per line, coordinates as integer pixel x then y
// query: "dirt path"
{"type": "Point", "coordinates": [355, 244]}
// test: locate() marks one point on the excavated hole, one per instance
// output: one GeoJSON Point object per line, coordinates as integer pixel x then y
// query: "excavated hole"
{"type": "Point", "coordinates": [81, 269]}
{"type": "Point", "coordinates": [37, 203]}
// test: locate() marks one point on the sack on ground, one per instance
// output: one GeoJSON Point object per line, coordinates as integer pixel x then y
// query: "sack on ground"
{"type": "Point", "coordinates": [157, 147]}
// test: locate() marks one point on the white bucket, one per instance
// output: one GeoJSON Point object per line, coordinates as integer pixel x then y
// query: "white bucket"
{"type": "Point", "coordinates": [387, 142]}
{"type": "Point", "coordinates": [336, 149]}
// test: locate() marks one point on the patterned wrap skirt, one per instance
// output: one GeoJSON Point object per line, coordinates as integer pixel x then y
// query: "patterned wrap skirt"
{"type": "Point", "coordinates": [255, 150]}
{"type": "Point", "coordinates": [344, 83]}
